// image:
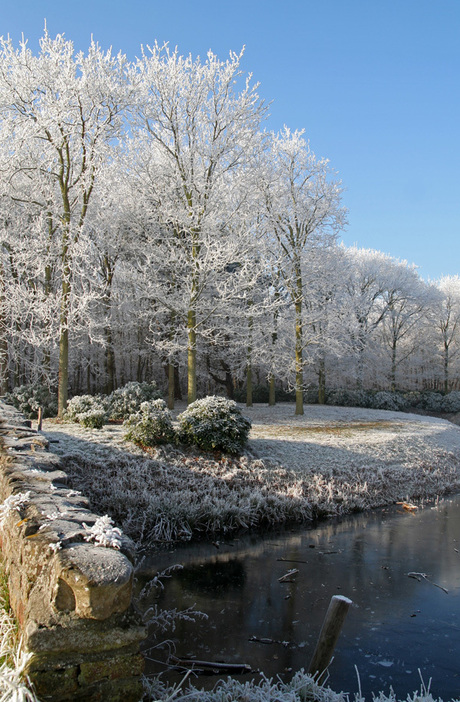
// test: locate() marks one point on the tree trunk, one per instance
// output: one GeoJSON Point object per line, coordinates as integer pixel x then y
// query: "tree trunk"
{"type": "Point", "coordinates": [109, 362]}
{"type": "Point", "coordinates": [393, 367]}
{"type": "Point", "coordinates": [249, 365]}
{"type": "Point", "coordinates": [322, 382]}
{"type": "Point", "coordinates": [249, 384]}
{"type": "Point", "coordinates": [229, 384]}
{"type": "Point", "coordinates": [446, 367]}
{"type": "Point", "coordinates": [298, 357]}
{"type": "Point", "coordinates": [171, 384]}
{"type": "Point", "coordinates": [191, 356]}
{"type": "Point", "coordinates": [271, 390]}
{"type": "Point", "coordinates": [46, 362]}
{"type": "Point", "coordinates": [63, 380]}
{"type": "Point", "coordinates": [108, 270]}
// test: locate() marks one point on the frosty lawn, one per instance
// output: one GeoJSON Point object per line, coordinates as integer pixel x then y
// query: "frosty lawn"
{"type": "Point", "coordinates": [330, 461]}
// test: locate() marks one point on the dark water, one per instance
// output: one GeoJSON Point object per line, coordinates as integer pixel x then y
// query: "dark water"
{"type": "Point", "coordinates": [395, 626]}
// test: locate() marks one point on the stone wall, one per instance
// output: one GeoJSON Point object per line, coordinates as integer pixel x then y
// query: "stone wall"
{"type": "Point", "coordinates": [71, 597]}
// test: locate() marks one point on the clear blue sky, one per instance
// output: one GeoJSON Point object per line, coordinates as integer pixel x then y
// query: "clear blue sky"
{"type": "Point", "coordinates": [375, 84]}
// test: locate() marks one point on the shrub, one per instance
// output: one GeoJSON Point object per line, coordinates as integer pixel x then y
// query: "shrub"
{"type": "Point", "coordinates": [93, 419]}
{"type": "Point", "coordinates": [150, 426]}
{"type": "Point", "coordinates": [431, 401]}
{"type": "Point", "coordinates": [214, 423]}
{"type": "Point", "coordinates": [389, 401]}
{"type": "Point", "coordinates": [127, 400]}
{"type": "Point", "coordinates": [413, 398]}
{"type": "Point", "coordinates": [350, 398]}
{"type": "Point", "coordinates": [451, 402]}
{"type": "Point", "coordinates": [87, 410]}
{"type": "Point", "coordinates": [28, 398]}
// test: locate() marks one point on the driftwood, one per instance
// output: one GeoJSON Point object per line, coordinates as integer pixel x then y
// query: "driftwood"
{"type": "Point", "coordinates": [263, 640]}
{"type": "Point", "coordinates": [286, 577]}
{"type": "Point", "coordinates": [210, 666]}
{"type": "Point", "coordinates": [420, 576]}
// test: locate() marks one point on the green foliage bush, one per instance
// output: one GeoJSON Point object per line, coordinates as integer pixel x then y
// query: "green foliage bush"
{"type": "Point", "coordinates": [151, 425]}
{"type": "Point", "coordinates": [214, 423]}
{"type": "Point", "coordinates": [28, 398]}
{"type": "Point", "coordinates": [88, 410]}
{"type": "Point", "coordinates": [127, 400]}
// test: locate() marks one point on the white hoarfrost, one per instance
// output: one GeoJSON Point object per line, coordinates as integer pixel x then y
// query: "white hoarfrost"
{"type": "Point", "coordinates": [13, 502]}
{"type": "Point", "coordinates": [103, 533]}
{"type": "Point", "coordinates": [330, 461]}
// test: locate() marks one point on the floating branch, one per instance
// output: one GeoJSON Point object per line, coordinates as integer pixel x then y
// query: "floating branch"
{"type": "Point", "coordinates": [419, 576]}
{"type": "Point", "coordinates": [263, 640]}
{"type": "Point", "coordinates": [285, 578]}
{"type": "Point", "coordinates": [211, 666]}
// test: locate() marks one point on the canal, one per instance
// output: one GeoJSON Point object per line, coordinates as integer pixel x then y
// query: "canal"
{"type": "Point", "coordinates": [398, 623]}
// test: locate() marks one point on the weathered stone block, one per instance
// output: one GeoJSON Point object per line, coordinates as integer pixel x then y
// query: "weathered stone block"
{"type": "Point", "coordinates": [90, 636]}
{"type": "Point", "coordinates": [100, 579]}
{"type": "Point", "coordinates": [55, 684]}
{"type": "Point", "coordinates": [72, 598]}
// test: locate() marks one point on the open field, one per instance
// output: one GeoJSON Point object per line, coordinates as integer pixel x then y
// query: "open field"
{"type": "Point", "coordinates": [332, 460]}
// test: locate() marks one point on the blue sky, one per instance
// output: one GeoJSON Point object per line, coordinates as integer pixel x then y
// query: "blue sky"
{"type": "Point", "coordinates": [375, 84]}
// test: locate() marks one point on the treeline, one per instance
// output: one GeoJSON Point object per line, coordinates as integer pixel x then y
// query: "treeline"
{"type": "Point", "coordinates": [152, 229]}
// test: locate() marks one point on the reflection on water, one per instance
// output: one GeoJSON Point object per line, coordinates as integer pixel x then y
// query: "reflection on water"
{"type": "Point", "coordinates": [396, 624]}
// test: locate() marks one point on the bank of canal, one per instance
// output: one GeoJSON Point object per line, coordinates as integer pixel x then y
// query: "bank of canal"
{"type": "Point", "coordinates": [397, 624]}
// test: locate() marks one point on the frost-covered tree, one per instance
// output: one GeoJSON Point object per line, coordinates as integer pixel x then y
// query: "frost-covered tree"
{"type": "Point", "coordinates": [446, 317]}
{"type": "Point", "coordinates": [364, 305]}
{"type": "Point", "coordinates": [326, 272]}
{"type": "Point", "coordinates": [59, 111]}
{"type": "Point", "coordinates": [196, 131]}
{"type": "Point", "coordinates": [302, 209]}
{"type": "Point", "coordinates": [406, 298]}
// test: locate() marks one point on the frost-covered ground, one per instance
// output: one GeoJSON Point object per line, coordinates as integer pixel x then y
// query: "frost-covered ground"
{"type": "Point", "coordinates": [330, 461]}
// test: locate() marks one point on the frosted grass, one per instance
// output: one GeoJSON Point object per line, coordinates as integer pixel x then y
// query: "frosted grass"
{"type": "Point", "coordinates": [331, 461]}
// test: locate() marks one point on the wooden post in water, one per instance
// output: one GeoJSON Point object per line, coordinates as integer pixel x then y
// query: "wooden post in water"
{"type": "Point", "coordinates": [40, 417]}
{"type": "Point", "coordinates": [332, 625]}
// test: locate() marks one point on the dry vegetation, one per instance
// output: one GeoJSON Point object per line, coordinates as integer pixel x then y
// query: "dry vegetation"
{"type": "Point", "coordinates": [330, 461]}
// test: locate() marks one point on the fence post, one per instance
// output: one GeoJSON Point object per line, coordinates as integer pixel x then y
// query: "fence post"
{"type": "Point", "coordinates": [332, 625]}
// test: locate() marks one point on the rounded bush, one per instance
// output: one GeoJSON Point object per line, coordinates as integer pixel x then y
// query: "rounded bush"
{"type": "Point", "coordinates": [151, 425]}
{"type": "Point", "coordinates": [127, 400]}
{"type": "Point", "coordinates": [87, 410]}
{"type": "Point", "coordinates": [214, 423]}
{"type": "Point", "coordinates": [431, 401]}
{"type": "Point", "coordinates": [389, 401]}
{"type": "Point", "coordinates": [343, 397]}
{"type": "Point", "coordinates": [93, 419]}
{"type": "Point", "coordinates": [451, 402]}
{"type": "Point", "coordinates": [28, 398]}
